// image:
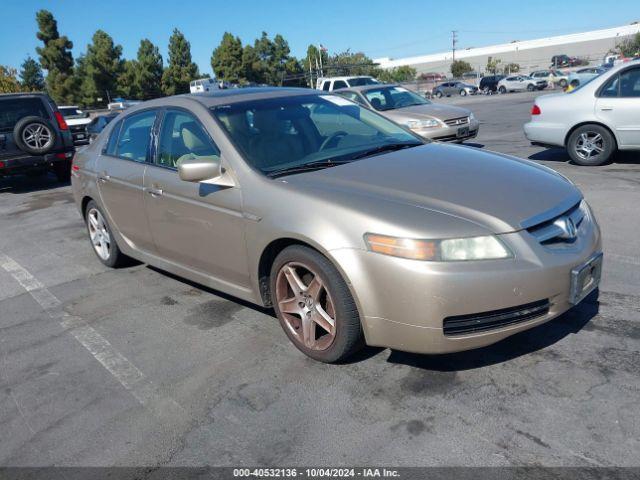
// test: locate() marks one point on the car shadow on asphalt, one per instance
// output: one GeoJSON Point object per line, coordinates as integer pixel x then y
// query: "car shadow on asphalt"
{"type": "Point", "coordinates": [522, 343]}
{"type": "Point", "coordinates": [561, 155]}
{"type": "Point", "coordinates": [25, 184]}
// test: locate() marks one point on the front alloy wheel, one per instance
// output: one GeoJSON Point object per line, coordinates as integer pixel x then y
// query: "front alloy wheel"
{"type": "Point", "coordinates": [314, 305]}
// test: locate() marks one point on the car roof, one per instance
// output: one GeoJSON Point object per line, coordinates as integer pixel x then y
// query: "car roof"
{"type": "Point", "coordinates": [23, 94]}
{"type": "Point", "coordinates": [226, 97]}
{"type": "Point", "coordinates": [364, 88]}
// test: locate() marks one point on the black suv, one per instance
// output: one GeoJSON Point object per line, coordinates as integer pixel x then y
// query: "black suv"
{"type": "Point", "coordinates": [34, 136]}
{"type": "Point", "coordinates": [490, 83]}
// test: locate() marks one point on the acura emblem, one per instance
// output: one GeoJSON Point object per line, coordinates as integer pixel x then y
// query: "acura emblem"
{"type": "Point", "coordinates": [568, 228]}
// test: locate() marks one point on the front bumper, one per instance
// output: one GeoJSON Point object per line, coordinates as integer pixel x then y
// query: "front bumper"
{"type": "Point", "coordinates": [26, 163]}
{"type": "Point", "coordinates": [451, 134]}
{"type": "Point", "coordinates": [403, 303]}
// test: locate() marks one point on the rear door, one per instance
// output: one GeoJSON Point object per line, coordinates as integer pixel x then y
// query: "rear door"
{"type": "Point", "coordinates": [618, 105]}
{"type": "Point", "coordinates": [121, 168]}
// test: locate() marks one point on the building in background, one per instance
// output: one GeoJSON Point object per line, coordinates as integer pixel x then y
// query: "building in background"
{"type": "Point", "coordinates": [528, 54]}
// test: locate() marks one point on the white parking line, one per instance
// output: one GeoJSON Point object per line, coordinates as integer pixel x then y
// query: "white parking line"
{"type": "Point", "coordinates": [125, 372]}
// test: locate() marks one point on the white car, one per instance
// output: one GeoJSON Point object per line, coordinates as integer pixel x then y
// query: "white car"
{"type": "Point", "coordinates": [519, 83]}
{"type": "Point", "coordinates": [330, 84]}
{"type": "Point", "coordinates": [203, 85]}
{"type": "Point", "coordinates": [77, 120]}
{"type": "Point", "coordinates": [555, 77]}
{"type": "Point", "coordinates": [594, 120]}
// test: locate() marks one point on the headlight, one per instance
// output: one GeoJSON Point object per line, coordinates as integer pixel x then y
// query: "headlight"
{"type": "Point", "coordinates": [420, 124]}
{"type": "Point", "coordinates": [447, 250]}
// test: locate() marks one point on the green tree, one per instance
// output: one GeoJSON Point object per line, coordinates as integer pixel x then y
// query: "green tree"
{"type": "Point", "coordinates": [149, 71]}
{"type": "Point", "coordinates": [350, 63]}
{"type": "Point", "coordinates": [629, 47]}
{"type": "Point", "coordinates": [55, 57]}
{"type": "Point", "coordinates": [128, 84]}
{"type": "Point", "coordinates": [227, 59]}
{"type": "Point", "coordinates": [492, 65]}
{"type": "Point", "coordinates": [103, 65]}
{"type": "Point", "coordinates": [311, 62]}
{"type": "Point", "coordinates": [8, 81]}
{"type": "Point", "coordinates": [251, 66]}
{"type": "Point", "coordinates": [404, 73]}
{"type": "Point", "coordinates": [459, 68]}
{"type": "Point", "coordinates": [181, 69]}
{"type": "Point", "coordinates": [510, 68]}
{"type": "Point", "coordinates": [31, 76]}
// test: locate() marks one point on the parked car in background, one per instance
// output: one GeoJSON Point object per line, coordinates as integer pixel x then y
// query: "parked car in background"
{"type": "Point", "coordinates": [203, 85]}
{"type": "Point", "coordinates": [121, 104]}
{"type": "Point", "coordinates": [447, 89]}
{"type": "Point", "coordinates": [433, 77]}
{"type": "Point", "coordinates": [584, 75]}
{"type": "Point", "coordinates": [335, 83]}
{"type": "Point", "coordinates": [489, 83]}
{"type": "Point", "coordinates": [98, 123]}
{"type": "Point", "coordinates": [425, 118]}
{"type": "Point", "coordinates": [552, 77]}
{"type": "Point", "coordinates": [594, 120]}
{"type": "Point", "coordinates": [34, 136]}
{"type": "Point", "coordinates": [78, 120]}
{"type": "Point", "coordinates": [355, 230]}
{"type": "Point", "coordinates": [558, 61]}
{"type": "Point", "coordinates": [520, 83]}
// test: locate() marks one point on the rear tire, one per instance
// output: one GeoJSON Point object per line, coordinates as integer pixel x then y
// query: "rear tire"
{"type": "Point", "coordinates": [502, 89]}
{"type": "Point", "coordinates": [530, 88]}
{"type": "Point", "coordinates": [591, 145]}
{"type": "Point", "coordinates": [101, 238]}
{"type": "Point", "coordinates": [563, 83]}
{"type": "Point", "coordinates": [438, 94]}
{"type": "Point", "coordinates": [463, 93]}
{"type": "Point", "coordinates": [315, 286]}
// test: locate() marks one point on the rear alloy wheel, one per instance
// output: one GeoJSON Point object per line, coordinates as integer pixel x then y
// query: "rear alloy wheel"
{"type": "Point", "coordinates": [439, 94]}
{"type": "Point", "coordinates": [463, 93]}
{"type": "Point", "coordinates": [502, 89]}
{"type": "Point", "coordinates": [563, 83]}
{"type": "Point", "coordinates": [314, 305]}
{"type": "Point", "coordinates": [102, 240]}
{"type": "Point", "coordinates": [530, 87]}
{"type": "Point", "coordinates": [591, 145]}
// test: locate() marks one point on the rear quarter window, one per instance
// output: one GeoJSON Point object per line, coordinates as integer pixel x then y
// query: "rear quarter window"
{"type": "Point", "coordinates": [13, 110]}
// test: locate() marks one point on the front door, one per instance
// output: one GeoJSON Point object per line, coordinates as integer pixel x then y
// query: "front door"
{"type": "Point", "coordinates": [121, 169]}
{"type": "Point", "coordinates": [194, 225]}
{"type": "Point", "coordinates": [619, 106]}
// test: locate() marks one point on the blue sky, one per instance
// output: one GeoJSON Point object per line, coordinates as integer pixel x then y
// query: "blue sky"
{"type": "Point", "coordinates": [378, 27]}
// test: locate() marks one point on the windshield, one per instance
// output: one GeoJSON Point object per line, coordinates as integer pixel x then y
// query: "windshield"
{"type": "Point", "coordinates": [390, 98]}
{"type": "Point", "coordinates": [71, 112]}
{"type": "Point", "coordinates": [276, 134]}
{"type": "Point", "coordinates": [360, 81]}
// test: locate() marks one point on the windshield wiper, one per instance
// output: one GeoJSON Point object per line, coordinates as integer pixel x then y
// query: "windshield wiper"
{"type": "Point", "coordinates": [389, 147]}
{"type": "Point", "coordinates": [307, 167]}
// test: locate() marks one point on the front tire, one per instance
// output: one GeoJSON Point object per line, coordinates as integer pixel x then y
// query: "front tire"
{"type": "Point", "coordinates": [530, 88]}
{"type": "Point", "coordinates": [563, 83]}
{"type": "Point", "coordinates": [591, 145]}
{"type": "Point", "coordinates": [314, 305]}
{"type": "Point", "coordinates": [502, 89]}
{"type": "Point", "coordinates": [438, 94]}
{"type": "Point", "coordinates": [101, 237]}
{"type": "Point", "coordinates": [463, 93]}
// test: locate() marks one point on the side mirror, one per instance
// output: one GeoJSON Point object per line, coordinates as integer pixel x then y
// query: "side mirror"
{"type": "Point", "coordinates": [198, 169]}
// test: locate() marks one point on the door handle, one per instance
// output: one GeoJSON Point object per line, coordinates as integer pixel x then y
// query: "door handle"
{"type": "Point", "coordinates": [606, 109]}
{"type": "Point", "coordinates": [104, 178]}
{"type": "Point", "coordinates": [155, 192]}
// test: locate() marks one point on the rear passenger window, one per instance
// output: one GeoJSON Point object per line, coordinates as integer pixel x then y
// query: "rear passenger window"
{"type": "Point", "coordinates": [339, 84]}
{"type": "Point", "coordinates": [630, 83]}
{"type": "Point", "coordinates": [113, 140]}
{"type": "Point", "coordinates": [134, 139]}
{"type": "Point", "coordinates": [326, 86]}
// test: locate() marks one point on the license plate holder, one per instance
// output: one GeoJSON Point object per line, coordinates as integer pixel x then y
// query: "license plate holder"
{"type": "Point", "coordinates": [462, 132]}
{"type": "Point", "coordinates": [585, 278]}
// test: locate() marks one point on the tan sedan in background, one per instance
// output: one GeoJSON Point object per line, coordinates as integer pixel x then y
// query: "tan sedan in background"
{"type": "Point", "coordinates": [353, 228]}
{"type": "Point", "coordinates": [430, 120]}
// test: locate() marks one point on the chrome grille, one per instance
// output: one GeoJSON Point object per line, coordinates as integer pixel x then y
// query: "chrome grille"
{"type": "Point", "coordinates": [563, 228]}
{"type": "Point", "coordinates": [454, 122]}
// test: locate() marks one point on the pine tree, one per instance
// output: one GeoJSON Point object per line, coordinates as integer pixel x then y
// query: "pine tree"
{"type": "Point", "coordinates": [104, 65]}
{"type": "Point", "coordinates": [56, 58]}
{"type": "Point", "coordinates": [181, 69]}
{"type": "Point", "coordinates": [128, 85]}
{"type": "Point", "coordinates": [227, 59]}
{"type": "Point", "coordinates": [149, 71]}
{"type": "Point", "coordinates": [31, 76]}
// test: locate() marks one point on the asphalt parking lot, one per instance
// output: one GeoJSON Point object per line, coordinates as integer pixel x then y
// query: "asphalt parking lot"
{"type": "Point", "coordinates": [137, 367]}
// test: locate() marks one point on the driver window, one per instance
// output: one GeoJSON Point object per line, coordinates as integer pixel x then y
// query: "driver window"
{"type": "Point", "coordinates": [183, 138]}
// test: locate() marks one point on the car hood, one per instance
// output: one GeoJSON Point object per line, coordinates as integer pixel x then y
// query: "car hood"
{"type": "Point", "coordinates": [494, 191]}
{"type": "Point", "coordinates": [434, 110]}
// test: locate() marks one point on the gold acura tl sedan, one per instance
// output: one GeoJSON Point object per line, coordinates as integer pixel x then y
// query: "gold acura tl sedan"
{"type": "Point", "coordinates": [352, 227]}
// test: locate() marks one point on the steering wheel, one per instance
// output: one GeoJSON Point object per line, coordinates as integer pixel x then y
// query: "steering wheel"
{"type": "Point", "coordinates": [332, 137]}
